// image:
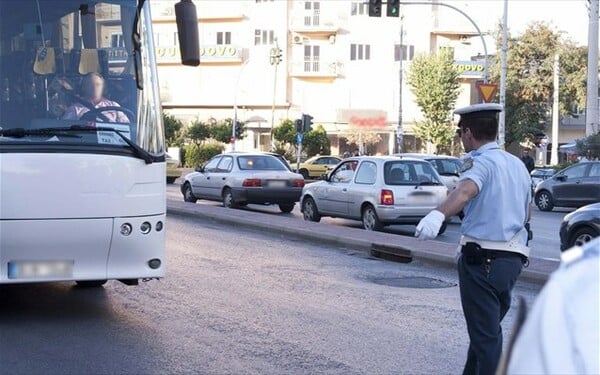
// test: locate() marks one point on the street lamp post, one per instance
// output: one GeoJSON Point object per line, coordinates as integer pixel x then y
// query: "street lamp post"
{"type": "Point", "coordinates": [400, 128]}
{"type": "Point", "coordinates": [274, 59]}
{"type": "Point", "coordinates": [235, 94]}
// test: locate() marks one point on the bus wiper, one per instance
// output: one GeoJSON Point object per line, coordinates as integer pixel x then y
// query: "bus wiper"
{"type": "Point", "coordinates": [137, 150]}
{"type": "Point", "coordinates": [22, 132]}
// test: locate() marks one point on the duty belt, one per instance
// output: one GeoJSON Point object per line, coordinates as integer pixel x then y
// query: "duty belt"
{"type": "Point", "coordinates": [513, 245]}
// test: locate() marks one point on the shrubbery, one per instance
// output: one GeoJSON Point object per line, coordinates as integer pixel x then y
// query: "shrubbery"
{"type": "Point", "coordinates": [196, 155]}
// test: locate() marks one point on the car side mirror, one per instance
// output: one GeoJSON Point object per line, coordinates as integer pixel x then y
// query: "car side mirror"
{"type": "Point", "coordinates": [325, 177]}
{"type": "Point", "coordinates": [187, 28]}
{"type": "Point", "coordinates": [561, 177]}
{"type": "Point", "coordinates": [200, 169]}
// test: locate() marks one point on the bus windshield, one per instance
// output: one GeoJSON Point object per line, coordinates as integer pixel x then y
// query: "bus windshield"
{"type": "Point", "coordinates": [69, 64]}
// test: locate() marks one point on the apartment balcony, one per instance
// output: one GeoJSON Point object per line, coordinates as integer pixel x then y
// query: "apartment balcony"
{"type": "Point", "coordinates": [316, 22]}
{"type": "Point", "coordinates": [316, 69]}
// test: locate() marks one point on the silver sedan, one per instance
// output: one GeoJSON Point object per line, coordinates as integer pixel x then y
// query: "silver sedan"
{"type": "Point", "coordinates": [238, 179]}
{"type": "Point", "coordinates": [379, 191]}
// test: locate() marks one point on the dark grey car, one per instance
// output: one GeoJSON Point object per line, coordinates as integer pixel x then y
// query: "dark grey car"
{"type": "Point", "coordinates": [574, 186]}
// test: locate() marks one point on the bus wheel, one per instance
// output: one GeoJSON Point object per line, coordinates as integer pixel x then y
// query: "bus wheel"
{"type": "Point", "coordinates": [90, 283]}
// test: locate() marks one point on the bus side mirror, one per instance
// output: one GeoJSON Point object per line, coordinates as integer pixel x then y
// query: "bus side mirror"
{"type": "Point", "coordinates": [187, 29]}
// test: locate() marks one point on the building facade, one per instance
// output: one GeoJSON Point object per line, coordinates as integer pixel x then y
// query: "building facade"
{"type": "Point", "coordinates": [338, 64]}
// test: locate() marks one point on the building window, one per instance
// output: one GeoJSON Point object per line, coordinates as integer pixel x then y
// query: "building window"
{"type": "Point", "coordinates": [166, 39]}
{"type": "Point", "coordinates": [312, 12]}
{"type": "Point", "coordinates": [264, 1]}
{"type": "Point", "coordinates": [224, 37]}
{"type": "Point", "coordinates": [408, 52]}
{"type": "Point", "coordinates": [358, 9]}
{"type": "Point", "coordinates": [116, 40]}
{"type": "Point", "coordinates": [360, 52]}
{"type": "Point", "coordinates": [312, 56]}
{"type": "Point", "coordinates": [264, 37]}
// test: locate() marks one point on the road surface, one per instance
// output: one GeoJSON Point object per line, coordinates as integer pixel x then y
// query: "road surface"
{"type": "Point", "coordinates": [545, 225]}
{"type": "Point", "coordinates": [237, 301]}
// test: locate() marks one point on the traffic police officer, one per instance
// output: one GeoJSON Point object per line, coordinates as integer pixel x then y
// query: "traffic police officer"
{"type": "Point", "coordinates": [562, 333]}
{"type": "Point", "coordinates": [494, 194]}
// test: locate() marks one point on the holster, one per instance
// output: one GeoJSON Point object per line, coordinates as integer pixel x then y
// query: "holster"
{"type": "Point", "coordinates": [473, 253]}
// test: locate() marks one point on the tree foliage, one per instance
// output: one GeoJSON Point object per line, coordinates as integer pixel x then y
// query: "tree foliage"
{"type": "Point", "coordinates": [361, 137]}
{"type": "Point", "coordinates": [196, 155]}
{"type": "Point", "coordinates": [435, 84]}
{"type": "Point", "coordinates": [173, 129]}
{"type": "Point", "coordinates": [589, 147]}
{"type": "Point", "coordinates": [313, 143]}
{"type": "Point", "coordinates": [529, 79]}
{"type": "Point", "coordinates": [198, 132]}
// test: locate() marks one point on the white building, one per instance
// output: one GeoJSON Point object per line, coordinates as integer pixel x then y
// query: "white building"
{"type": "Point", "coordinates": [338, 65]}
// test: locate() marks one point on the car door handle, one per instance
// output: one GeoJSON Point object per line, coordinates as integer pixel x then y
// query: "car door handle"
{"type": "Point", "coordinates": [223, 178]}
{"type": "Point", "coordinates": [344, 190]}
{"type": "Point", "coordinates": [208, 178]}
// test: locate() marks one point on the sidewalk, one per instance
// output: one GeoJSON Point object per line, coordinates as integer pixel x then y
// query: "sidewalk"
{"type": "Point", "coordinates": [403, 246]}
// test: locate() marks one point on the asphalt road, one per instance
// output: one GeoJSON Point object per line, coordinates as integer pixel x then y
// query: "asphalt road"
{"type": "Point", "coordinates": [237, 301]}
{"type": "Point", "coordinates": [545, 226]}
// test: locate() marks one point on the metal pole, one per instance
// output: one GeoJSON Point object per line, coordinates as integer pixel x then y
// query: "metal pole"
{"type": "Point", "coordinates": [400, 128]}
{"type": "Point", "coordinates": [485, 52]}
{"type": "Point", "coordinates": [555, 116]}
{"type": "Point", "coordinates": [591, 111]}
{"type": "Point", "coordinates": [235, 95]}
{"type": "Point", "coordinates": [275, 60]}
{"type": "Point", "coordinates": [503, 69]}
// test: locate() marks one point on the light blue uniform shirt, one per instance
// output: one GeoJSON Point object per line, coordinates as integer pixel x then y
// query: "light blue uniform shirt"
{"type": "Point", "coordinates": [500, 209]}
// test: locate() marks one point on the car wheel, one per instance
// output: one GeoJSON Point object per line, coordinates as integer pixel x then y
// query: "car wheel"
{"type": "Point", "coordinates": [443, 228]}
{"type": "Point", "coordinates": [90, 283]}
{"type": "Point", "coordinates": [370, 220]}
{"type": "Point", "coordinates": [544, 201]}
{"type": "Point", "coordinates": [188, 196]}
{"type": "Point", "coordinates": [583, 236]}
{"type": "Point", "coordinates": [286, 207]}
{"type": "Point", "coordinates": [310, 211]}
{"type": "Point", "coordinates": [171, 180]}
{"type": "Point", "coordinates": [228, 201]}
{"type": "Point", "coordinates": [304, 174]}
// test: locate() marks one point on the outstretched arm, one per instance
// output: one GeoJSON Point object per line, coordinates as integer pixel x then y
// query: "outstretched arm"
{"type": "Point", "coordinates": [458, 198]}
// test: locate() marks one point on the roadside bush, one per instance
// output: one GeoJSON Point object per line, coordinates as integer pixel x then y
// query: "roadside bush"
{"type": "Point", "coordinates": [196, 155]}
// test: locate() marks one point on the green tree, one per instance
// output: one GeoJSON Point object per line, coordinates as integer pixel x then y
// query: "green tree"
{"type": "Point", "coordinates": [173, 129]}
{"type": "Point", "coordinates": [198, 132]}
{"type": "Point", "coordinates": [529, 79]}
{"type": "Point", "coordinates": [589, 147]}
{"type": "Point", "coordinates": [313, 143]}
{"type": "Point", "coordinates": [286, 133]}
{"type": "Point", "coordinates": [436, 86]}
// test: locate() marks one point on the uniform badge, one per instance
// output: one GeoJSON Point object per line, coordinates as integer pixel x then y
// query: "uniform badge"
{"type": "Point", "coordinates": [467, 164]}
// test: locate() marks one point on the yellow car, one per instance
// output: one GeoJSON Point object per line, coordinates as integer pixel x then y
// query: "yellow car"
{"type": "Point", "coordinates": [317, 166]}
{"type": "Point", "coordinates": [173, 171]}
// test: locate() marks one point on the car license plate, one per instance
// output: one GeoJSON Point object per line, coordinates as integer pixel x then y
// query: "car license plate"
{"type": "Point", "coordinates": [277, 184]}
{"type": "Point", "coordinates": [420, 199]}
{"type": "Point", "coordinates": [39, 269]}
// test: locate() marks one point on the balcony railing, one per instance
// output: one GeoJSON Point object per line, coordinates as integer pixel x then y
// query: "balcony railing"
{"type": "Point", "coordinates": [316, 21]}
{"type": "Point", "coordinates": [316, 68]}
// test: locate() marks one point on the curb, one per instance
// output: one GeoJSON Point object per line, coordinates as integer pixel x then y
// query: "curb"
{"type": "Point", "coordinates": [395, 245]}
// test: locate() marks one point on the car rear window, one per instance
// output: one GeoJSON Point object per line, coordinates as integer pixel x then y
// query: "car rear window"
{"type": "Point", "coordinates": [260, 163]}
{"type": "Point", "coordinates": [405, 172]}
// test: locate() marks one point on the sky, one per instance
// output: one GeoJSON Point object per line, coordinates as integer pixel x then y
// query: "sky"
{"type": "Point", "coordinates": [569, 16]}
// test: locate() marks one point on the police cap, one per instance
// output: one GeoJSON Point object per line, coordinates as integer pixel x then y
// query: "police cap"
{"type": "Point", "coordinates": [481, 110]}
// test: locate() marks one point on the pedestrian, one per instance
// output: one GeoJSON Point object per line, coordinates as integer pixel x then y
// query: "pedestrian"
{"type": "Point", "coordinates": [528, 161]}
{"type": "Point", "coordinates": [494, 194]}
{"type": "Point", "coordinates": [561, 335]}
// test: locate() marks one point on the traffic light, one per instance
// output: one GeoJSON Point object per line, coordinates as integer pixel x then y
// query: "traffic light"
{"type": "Point", "coordinates": [299, 126]}
{"type": "Point", "coordinates": [275, 56]}
{"type": "Point", "coordinates": [375, 8]}
{"type": "Point", "coordinates": [393, 8]}
{"type": "Point", "coordinates": [306, 123]}
{"type": "Point", "coordinates": [238, 130]}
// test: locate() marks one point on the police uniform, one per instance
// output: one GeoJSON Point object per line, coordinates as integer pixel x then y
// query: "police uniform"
{"type": "Point", "coordinates": [493, 243]}
{"type": "Point", "coordinates": [562, 332]}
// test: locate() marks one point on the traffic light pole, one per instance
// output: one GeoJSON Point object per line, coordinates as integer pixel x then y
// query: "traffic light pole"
{"type": "Point", "coordinates": [275, 59]}
{"type": "Point", "coordinates": [400, 127]}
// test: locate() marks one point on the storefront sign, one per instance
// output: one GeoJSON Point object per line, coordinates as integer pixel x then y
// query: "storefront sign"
{"type": "Point", "coordinates": [469, 68]}
{"type": "Point", "coordinates": [363, 118]}
{"type": "Point", "coordinates": [207, 53]}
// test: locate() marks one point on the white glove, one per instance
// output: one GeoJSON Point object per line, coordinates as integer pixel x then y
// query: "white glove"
{"type": "Point", "coordinates": [429, 226]}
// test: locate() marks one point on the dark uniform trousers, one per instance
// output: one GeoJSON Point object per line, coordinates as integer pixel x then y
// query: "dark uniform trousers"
{"type": "Point", "coordinates": [485, 293]}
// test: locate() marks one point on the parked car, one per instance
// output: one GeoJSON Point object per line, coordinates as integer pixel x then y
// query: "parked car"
{"type": "Point", "coordinates": [448, 167]}
{"type": "Point", "coordinates": [238, 179]}
{"type": "Point", "coordinates": [574, 186]}
{"type": "Point", "coordinates": [580, 226]}
{"type": "Point", "coordinates": [173, 171]}
{"type": "Point", "coordinates": [378, 190]}
{"type": "Point", "coordinates": [540, 174]}
{"type": "Point", "coordinates": [318, 166]}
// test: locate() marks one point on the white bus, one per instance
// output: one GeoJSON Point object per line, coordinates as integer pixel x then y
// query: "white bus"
{"type": "Point", "coordinates": [82, 152]}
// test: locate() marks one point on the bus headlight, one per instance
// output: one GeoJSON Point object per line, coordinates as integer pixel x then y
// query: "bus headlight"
{"type": "Point", "coordinates": [146, 227]}
{"type": "Point", "coordinates": [126, 229]}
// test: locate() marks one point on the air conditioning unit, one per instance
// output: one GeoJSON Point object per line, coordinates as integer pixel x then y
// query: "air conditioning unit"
{"type": "Point", "coordinates": [298, 39]}
{"type": "Point", "coordinates": [331, 39]}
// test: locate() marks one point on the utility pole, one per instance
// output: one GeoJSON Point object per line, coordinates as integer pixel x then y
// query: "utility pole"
{"type": "Point", "coordinates": [400, 127]}
{"type": "Point", "coordinates": [503, 69]}
{"type": "Point", "coordinates": [591, 111]}
{"type": "Point", "coordinates": [235, 107]}
{"type": "Point", "coordinates": [275, 59]}
{"type": "Point", "coordinates": [555, 114]}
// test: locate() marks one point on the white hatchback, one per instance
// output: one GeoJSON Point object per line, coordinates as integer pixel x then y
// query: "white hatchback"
{"type": "Point", "coordinates": [379, 191]}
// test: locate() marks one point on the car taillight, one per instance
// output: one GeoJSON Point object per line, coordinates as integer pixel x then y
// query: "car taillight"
{"type": "Point", "coordinates": [298, 183]}
{"type": "Point", "coordinates": [251, 182]}
{"type": "Point", "coordinates": [387, 197]}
